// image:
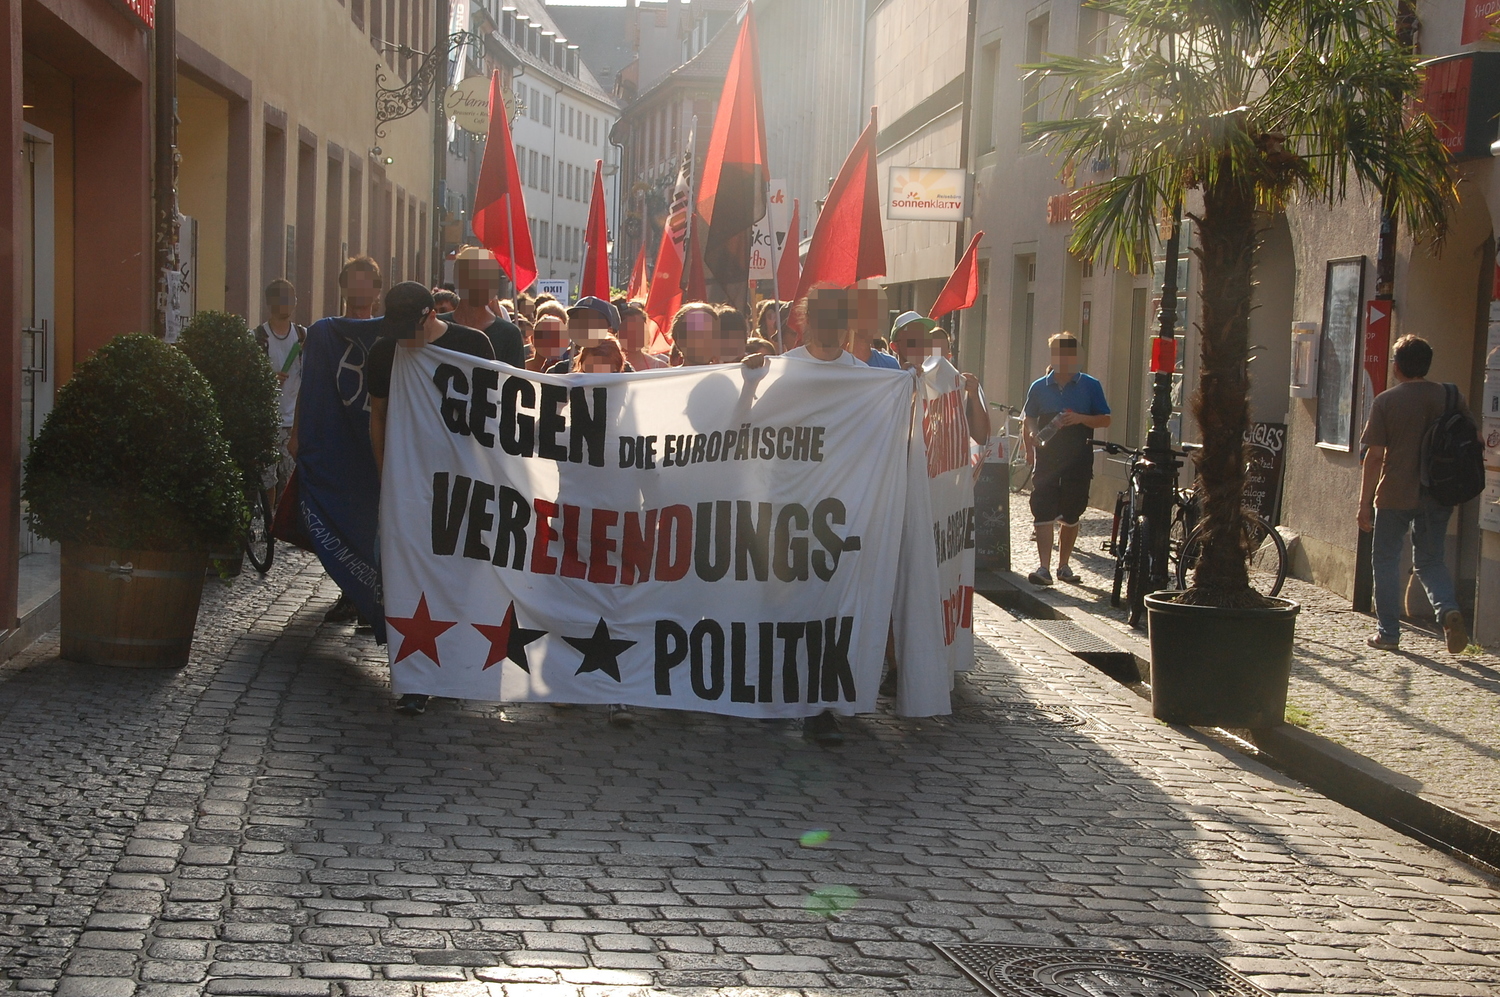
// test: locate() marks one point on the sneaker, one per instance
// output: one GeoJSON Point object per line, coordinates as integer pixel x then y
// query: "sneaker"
{"type": "Point", "coordinates": [620, 715]}
{"type": "Point", "coordinates": [1458, 634]}
{"type": "Point", "coordinates": [888, 684]}
{"type": "Point", "coordinates": [412, 705]}
{"type": "Point", "coordinates": [1040, 577]}
{"type": "Point", "coordinates": [1379, 643]}
{"type": "Point", "coordinates": [1065, 574]}
{"type": "Point", "coordinates": [342, 611]}
{"type": "Point", "coordinates": [824, 729]}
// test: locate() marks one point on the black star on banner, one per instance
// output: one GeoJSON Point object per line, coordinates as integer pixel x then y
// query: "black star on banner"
{"type": "Point", "coordinates": [601, 652]}
{"type": "Point", "coordinates": [508, 641]}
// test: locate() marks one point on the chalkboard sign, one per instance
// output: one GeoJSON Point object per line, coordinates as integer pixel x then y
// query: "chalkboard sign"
{"type": "Point", "coordinates": [1265, 460]}
{"type": "Point", "coordinates": [992, 516]}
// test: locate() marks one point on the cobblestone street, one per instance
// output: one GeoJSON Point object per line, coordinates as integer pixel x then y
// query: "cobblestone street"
{"type": "Point", "coordinates": [263, 823]}
{"type": "Point", "coordinates": [1427, 715]}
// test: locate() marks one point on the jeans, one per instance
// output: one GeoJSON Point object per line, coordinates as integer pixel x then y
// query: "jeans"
{"type": "Point", "coordinates": [1429, 527]}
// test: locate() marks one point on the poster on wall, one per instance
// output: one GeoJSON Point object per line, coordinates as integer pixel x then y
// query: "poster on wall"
{"type": "Point", "coordinates": [1339, 366]}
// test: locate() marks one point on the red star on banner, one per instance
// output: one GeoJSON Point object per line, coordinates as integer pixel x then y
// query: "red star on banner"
{"type": "Point", "coordinates": [508, 640]}
{"type": "Point", "coordinates": [419, 632]}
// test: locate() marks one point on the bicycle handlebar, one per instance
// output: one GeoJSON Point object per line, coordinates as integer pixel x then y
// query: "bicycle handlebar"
{"type": "Point", "coordinates": [1120, 448]}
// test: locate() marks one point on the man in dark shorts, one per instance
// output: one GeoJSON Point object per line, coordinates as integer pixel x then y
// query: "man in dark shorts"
{"type": "Point", "coordinates": [410, 322]}
{"type": "Point", "coordinates": [1063, 408]}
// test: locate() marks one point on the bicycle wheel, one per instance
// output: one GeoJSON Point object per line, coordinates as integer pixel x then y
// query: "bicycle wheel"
{"type": "Point", "coordinates": [1139, 554]}
{"type": "Point", "coordinates": [260, 546]}
{"type": "Point", "coordinates": [1020, 475]}
{"type": "Point", "coordinates": [1120, 546]}
{"type": "Point", "coordinates": [1267, 556]}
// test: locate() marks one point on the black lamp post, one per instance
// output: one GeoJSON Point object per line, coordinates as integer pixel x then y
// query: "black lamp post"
{"type": "Point", "coordinates": [1159, 478]}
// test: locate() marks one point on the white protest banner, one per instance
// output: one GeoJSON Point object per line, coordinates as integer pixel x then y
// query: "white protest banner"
{"type": "Point", "coordinates": [940, 532]}
{"type": "Point", "coordinates": [717, 538]}
{"type": "Point", "coordinates": [769, 233]}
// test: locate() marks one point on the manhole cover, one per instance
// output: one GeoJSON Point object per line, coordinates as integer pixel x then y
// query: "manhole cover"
{"type": "Point", "coordinates": [1019, 715]}
{"type": "Point", "coordinates": [1033, 971]}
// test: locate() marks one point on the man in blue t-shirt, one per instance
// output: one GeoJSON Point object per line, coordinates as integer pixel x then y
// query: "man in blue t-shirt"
{"type": "Point", "coordinates": [1063, 408]}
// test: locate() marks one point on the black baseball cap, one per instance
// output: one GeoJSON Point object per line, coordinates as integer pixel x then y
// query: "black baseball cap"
{"type": "Point", "coordinates": [406, 304]}
{"type": "Point", "coordinates": [599, 307]}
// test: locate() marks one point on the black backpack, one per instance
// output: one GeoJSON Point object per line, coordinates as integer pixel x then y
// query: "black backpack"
{"type": "Point", "coordinates": [1452, 456]}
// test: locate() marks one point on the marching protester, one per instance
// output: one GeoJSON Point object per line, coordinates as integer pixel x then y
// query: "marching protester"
{"type": "Point", "coordinates": [549, 336]}
{"type": "Point", "coordinates": [830, 313]}
{"type": "Point", "coordinates": [757, 345]}
{"type": "Point", "coordinates": [633, 332]}
{"type": "Point", "coordinates": [411, 321]}
{"type": "Point", "coordinates": [916, 338]}
{"type": "Point", "coordinates": [1062, 409]}
{"type": "Point", "coordinates": [281, 340]}
{"type": "Point", "coordinates": [360, 284]}
{"type": "Point", "coordinates": [695, 334]}
{"type": "Point", "coordinates": [1393, 500]}
{"type": "Point", "coordinates": [477, 276]}
{"type": "Point", "coordinates": [869, 307]}
{"type": "Point", "coordinates": [590, 322]}
{"type": "Point", "coordinates": [446, 300]}
{"type": "Point", "coordinates": [768, 319]}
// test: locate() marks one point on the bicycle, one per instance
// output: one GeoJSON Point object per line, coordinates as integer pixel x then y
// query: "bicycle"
{"type": "Point", "coordinates": [260, 545]}
{"type": "Point", "coordinates": [1130, 538]}
{"type": "Point", "coordinates": [1015, 446]}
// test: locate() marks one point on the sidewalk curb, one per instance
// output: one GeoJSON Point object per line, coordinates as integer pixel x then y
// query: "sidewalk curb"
{"type": "Point", "coordinates": [1340, 774]}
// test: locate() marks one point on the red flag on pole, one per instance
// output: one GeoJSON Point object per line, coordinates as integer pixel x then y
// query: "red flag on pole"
{"type": "Point", "coordinates": [790, 265]}
{"type": "Point", "coordinates": [499, 206]}
{"type": "Point", "coordinates": [637, 275]}
{"type": "Point", "coordinates": [732, 196]}
{"type": "Point", "coordinates": [847, 243]}
{"type": "Point", "coordinates": [962, 289]}
{"type": "Point", "coordinates": [665, 296]}
{"type": "Point", "coordinates": [595, 280]}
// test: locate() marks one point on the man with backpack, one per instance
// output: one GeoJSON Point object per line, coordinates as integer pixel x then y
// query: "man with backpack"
{"type": "Point", "coordinates": [1423, 456]}
{"type": "Point", "coordinates": [281, 340]}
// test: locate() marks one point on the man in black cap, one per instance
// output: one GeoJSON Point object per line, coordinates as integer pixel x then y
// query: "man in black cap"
{"type": "Point", "coordinates": [411, 321]}
{"type": "Point", "coordinates": [590, 321]}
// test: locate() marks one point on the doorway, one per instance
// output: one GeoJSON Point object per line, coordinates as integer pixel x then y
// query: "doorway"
{"type": "Point", "coordinates": [38, 321]}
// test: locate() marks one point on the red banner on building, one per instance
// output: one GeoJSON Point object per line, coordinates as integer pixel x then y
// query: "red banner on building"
{"type": "Point", "coordinates": [144, 9]}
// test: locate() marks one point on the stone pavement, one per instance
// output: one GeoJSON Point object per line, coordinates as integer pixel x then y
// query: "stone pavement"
{"type": "Point", "coordinates": [261, 823]}
{"type": "Point", "coordinates": [1430, 716]}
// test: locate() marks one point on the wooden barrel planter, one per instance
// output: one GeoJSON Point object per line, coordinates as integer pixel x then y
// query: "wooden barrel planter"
{"type": "Point", "coordinates": [129, 608]}
{"type": "Point", "coordinates": [231, 563]}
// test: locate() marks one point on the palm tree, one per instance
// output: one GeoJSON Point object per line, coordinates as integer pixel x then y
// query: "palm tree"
{"type": "Point", "coordinates": [1253, 103]}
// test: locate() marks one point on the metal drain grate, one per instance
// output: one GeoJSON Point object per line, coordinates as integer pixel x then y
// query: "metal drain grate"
{"type": "Point", "coordinates": [1002, 714]}
{"type": "Point", "coordinates": [1034, 971]}
{"type": "Point", "coordinates": [1116, 662]}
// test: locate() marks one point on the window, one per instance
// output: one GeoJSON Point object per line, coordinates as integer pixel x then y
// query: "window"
{"type": "Point", "coordinates": [562, 177]}
{"type": "Point", "coordinates": [357, 13]}
{"type": "Point", "coordinates": [987, 86]}
{"type": "Point", "coordinates": [535, 177]}
{"type": "Point", "coordinates": [547, 112]}
{"type": "Point", "coordinates": [546, 174]}
{"type": "Point", "coordinates": [1091, 31]}
{"type": "Point", "coordinates": [520, 161]}
{"type": "Point", "coordinates": [573, 183]}
{"type": "Point", "coordinates": [543, 240]}
{"type": "Point", "coordinates": [577, 245]}
{"type": "Point", "coordinates": [535, 104]}
{"type": "Point", "coordinates": [1036, 46]}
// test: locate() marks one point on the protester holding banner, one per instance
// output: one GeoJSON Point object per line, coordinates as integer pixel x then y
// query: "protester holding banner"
{"type": "Point", "coordinates": [477, 276]}
{"type": "Point", "coordinates": [830, 312]}
{"type": "Point", "coordinates": [410, 321]}
{"type": "Point", "coordinates": [1063, 408]}
{"type": "Point", "coordinates": [591, 321]}
{"type": "Point", "coordinates": [633, 336]}
{"type": "Point", "coordinates": [695, 334]}
{"type": "Point", "coordinates": [549, 336]}
{"type": "Point", "coordinates": [918, 338]}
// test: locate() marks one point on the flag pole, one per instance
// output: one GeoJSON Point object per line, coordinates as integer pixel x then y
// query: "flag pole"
{"type": "Point", "coordinates": [775, 263]}
{"type": "Point", "coordinates": [690, 240]}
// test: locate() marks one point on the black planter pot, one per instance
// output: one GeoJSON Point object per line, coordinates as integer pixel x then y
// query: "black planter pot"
{"type": "Point", "coordinates": [1220, 667]}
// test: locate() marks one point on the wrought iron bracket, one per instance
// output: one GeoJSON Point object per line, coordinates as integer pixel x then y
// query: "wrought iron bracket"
{"type": "Point", "coordinates": [392, 103]}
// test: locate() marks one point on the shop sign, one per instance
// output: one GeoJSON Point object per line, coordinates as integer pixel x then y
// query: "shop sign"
{"type": "Point", "coordinates": [1479, 19]}
{"type": "Point", "coordinates": [1060, 208]}
{"type": "Point", "coordinates": [1265, 453]}
{"type": "Point", "coordinates": [921, 194]}
{"type": "Point", "coordinates": [467, 104]}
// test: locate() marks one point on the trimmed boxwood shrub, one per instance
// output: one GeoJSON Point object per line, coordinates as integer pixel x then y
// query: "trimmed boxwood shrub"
{"type": "Point", "coordinates": [224, 351]}
{"type": "Point", "coordinates": [132, 456]}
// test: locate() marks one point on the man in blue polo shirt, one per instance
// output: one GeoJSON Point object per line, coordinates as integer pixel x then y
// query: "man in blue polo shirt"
{"type": "Point", "coordinates": [1063, 408]}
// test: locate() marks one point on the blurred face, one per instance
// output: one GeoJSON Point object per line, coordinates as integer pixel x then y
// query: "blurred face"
{"type": "Point", "coordinates": [633, 331]}
{"type": "Point", "coordinates": [361, 289]}
{"type": "Point", "coordinates": [1065, 360]}
{"type": "Point", "coordinates": [914, 345]}
{"type": "Point", "coordinates": [280, 303]}
{"type": "Point", "coordinates": [477, 280]}
{"type": "Point", "coordinates": [588, 329]}
{"type": "Point", "coordinates": [865, 314]}
{"type": "Point", "coordinates": [700, 338]}
{"type": "Point", "coordinates": [548, 337]}
{"type": "Point", "coordinates": [602, 359]}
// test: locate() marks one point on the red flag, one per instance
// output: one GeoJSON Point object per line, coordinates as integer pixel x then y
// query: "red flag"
{"type": "Point", "coordinates": [847, 243]}
{"type": "Point", "coordinates": [499, 207]}
{"type": "Point", "coordinates": [665, 296]}
{"type": "Point", "coordinates": [790, 264]}
{"type": "Point", "coordinates": [962, 289]}
{"type": "Point", "coordinates": [638, 275]}
{"type": "Point", "coordinates": [595, 280]}
{"type": "Point", "coordinates": [732, 196]}
{"type": "Point", "coordinates": [696, 285]}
